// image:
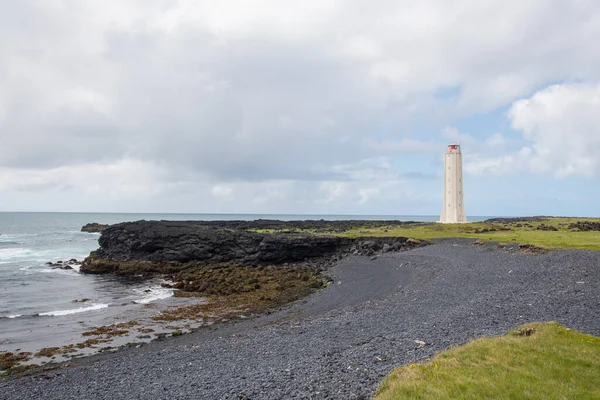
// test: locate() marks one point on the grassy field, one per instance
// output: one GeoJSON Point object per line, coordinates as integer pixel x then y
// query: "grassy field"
{"type": "Point", "coordinates": [564, 237]}
{"type": "Point", "coordinates": [554, 362]}
{"type": "Point", "coordinates": [511, 232]}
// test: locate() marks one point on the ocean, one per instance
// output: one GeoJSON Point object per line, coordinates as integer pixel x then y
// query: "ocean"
{"type": "Point", "coordinates": [43, 306]}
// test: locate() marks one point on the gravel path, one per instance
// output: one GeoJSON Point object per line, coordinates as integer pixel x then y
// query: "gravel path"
{"type": "Point", "coordinates": [341, 342]}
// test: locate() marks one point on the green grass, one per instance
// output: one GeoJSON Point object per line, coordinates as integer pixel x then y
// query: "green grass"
{"type": "Point", "coordinates": [563, 238]}
{"type": "Point", "coordinates": [526, 233]}
{"type": "Point", "coordinates": [553, 363]}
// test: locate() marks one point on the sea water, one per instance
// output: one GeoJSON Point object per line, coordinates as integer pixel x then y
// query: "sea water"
{"type": "Point", "coordinates": [39, 302]}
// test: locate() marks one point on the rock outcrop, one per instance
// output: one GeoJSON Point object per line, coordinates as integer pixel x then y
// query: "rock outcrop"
{"type": "Point", "coordinates": [544, 227]}
{"type": "Point", "coordinates": [585, 226]}
{"type": "Point", "coordinates": [64, 264]}
{"type": "Point", "coordinates": [94, 227]}
{"type": "Point", "coordinates": [164, 246]}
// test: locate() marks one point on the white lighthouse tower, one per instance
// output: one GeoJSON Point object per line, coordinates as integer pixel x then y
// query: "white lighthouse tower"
{"type": "Point", "coordinates": [453, 210]}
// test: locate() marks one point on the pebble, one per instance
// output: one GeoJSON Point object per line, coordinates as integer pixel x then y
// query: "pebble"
{"type": "Point", "coordinates": [450, 293]}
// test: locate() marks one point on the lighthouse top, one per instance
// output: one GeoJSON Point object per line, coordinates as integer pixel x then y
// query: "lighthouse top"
{"type": "Point", "coordinates": [453, 147]}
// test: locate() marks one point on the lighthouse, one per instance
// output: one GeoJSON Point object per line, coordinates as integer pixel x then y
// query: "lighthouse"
{"type": "Point", "coordinates": [453, 210]}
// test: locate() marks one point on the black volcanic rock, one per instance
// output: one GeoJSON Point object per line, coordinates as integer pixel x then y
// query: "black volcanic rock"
{"type": "Point", "coordinates": [585, 226]}
{"type": "Point", "coordinates": [515, 220]}
{"type": "Point", "coordinates": [145, 244]}
{"type": "Point", "coordinates": [94, 227]}
{"type": "Point", "coordinates": [544, 227]}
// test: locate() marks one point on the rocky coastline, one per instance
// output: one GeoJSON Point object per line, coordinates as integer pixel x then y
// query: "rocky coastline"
{"type": "Point", "coordinates": [342, 341]}
{"type": "Point", "coordinates": [167, 247]}
{"type": "Point", "coordinates": [236, 269]}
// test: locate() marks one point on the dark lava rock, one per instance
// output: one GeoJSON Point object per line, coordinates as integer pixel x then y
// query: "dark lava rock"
{"type": "Point", "coordinates": [515, 220]}
{"type": "Point", "coordinates": [319, 226]}
{"type": "Point", "coordinates": [63, 264]}
{"type": "Point", "coordinates": [493, 229]}
{"type": "Point", "coordinates": [544, 227]}
{"type": "Point", "coordinates": [94, 227]}
{"type": "Point", "coordinates": [159, 246]}
{"type": "Point", "coordinates": [585, 226]}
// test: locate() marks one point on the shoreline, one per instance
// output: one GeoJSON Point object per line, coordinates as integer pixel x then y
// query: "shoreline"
{"type": "Point", "coordinates": [343, 340]}
{"type": "Point", "coordinates": [248, 291]}
{"type": "Point", "coordinates": [243, 278]}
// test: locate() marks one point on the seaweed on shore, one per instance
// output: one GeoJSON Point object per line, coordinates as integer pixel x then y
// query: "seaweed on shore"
{"type": "Point", "coordinates": [224, 280]}
{"type": "Point", "coordinates": [109, 331]}
{"type": "Point", "coordinates": [232, 290]}
{"type": "Point", "coordinates": [90, 343]}
{"type": "Point", "coordinates": [48, 352]}
{"type": "Point", "coordinates": [9, 360]}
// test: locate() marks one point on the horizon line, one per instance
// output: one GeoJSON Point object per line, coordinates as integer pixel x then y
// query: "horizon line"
{"type": "Point", "coordinates": [308, 214]}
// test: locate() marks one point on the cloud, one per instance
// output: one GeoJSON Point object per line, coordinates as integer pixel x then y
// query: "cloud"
{"type": "Point", "coordinates": [452, 134]}
{"type": "Point", "coordinates": [311, 98]}
{"type": "Point", "coordinates": [561, 125]}
{"type": "Point", "coordinates": [128, 178]}
{"type": "Point", "coordinates": [403, 146]}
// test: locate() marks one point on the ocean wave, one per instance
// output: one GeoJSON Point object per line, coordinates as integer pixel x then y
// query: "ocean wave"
{"type": "Point", "coordinates": [57, 271]}
{"type": "Point", "coordinates": [13, 236]}
{"type": "Point", "coordinates": [84, 233]}
{"type": "Point", "coordinates": [7, 254]}
{"type": "Point", "coordinates": [73, 311]}
{"type": "Point", "coordinates": [21, 254]}
{"type": "Point", "coordinates": [156, 293]}
{"type": "Point", "coordinates": [9, 242]}
{"type": "Point", "coordinates": [12, 316]}
{"type": "Point", "coordinates": [45, 269]}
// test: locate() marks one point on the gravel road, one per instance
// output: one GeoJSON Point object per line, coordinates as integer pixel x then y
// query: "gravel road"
{"type": "Point", "coordinates": [341, 342]}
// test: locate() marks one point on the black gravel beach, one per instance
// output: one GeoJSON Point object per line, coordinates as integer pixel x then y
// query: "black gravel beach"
{"type": "Point", "coordinates": [342, 341]}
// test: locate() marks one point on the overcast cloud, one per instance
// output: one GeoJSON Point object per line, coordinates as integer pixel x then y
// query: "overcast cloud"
{"type": "Point", "coordinates": [293, 107]}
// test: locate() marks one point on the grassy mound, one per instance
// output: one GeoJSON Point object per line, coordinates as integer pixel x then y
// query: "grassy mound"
{"type": "Point", "coordinates": [536, 361]}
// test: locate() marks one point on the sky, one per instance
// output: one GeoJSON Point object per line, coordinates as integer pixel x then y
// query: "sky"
{"type": "Point", "coordinates": [311, 107]}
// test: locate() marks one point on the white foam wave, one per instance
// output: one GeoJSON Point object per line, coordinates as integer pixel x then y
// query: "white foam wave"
{"type": "Point", "coordinates": [7, 254]}
{"type": "Point", "coordinates": [6, 237]}
{"type": "Point", "coordinates": [65, 272]}
{"type": "Point", "coordinates": [47, 269]}
{"type": "Point", "coordinates": [156, 293]}
{"type": "Point", "coordinates": [13, 316]}
{"type": "Point", "coordinates": [73, 311]}
{"type": "Point", "coordinates": [53, 269]}
{"type": "Point", "coordinates": [75, 267]}
{"type": "Point", "coordinates": [22, 254]}
{"type": "Point", "coordinates": [79, 233]}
